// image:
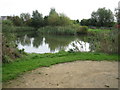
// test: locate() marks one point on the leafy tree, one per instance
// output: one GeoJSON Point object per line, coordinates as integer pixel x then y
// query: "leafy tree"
{"type": "Point", "coordinates": [103, 17]}
{"type": "Point", "coordinates": [56, 19]}
{"type": "Point", "coordinates": [87, 22]}
{"type": "Point", "coordinates": [37, 19]}
{"type": "Point", "coordinates": [16, 20]}
{"type": "Point", "coordinates": [53, 17]}
{"type": "Point", "coordinates": [84, 22]}
{"type": "Point", "coordinates": [76, 21]}
{"type": "Point", "coordinates": [64, 20]}
{"type": "Point", "coordinates": [25, 16]}
{"type": "Point", "coordinates": [45, 20]}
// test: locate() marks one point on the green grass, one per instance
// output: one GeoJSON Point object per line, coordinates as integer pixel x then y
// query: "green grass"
{"type": "Point", "coordinates": [98, 30]}
{"type": "Point", "coordinates": [33, 61]}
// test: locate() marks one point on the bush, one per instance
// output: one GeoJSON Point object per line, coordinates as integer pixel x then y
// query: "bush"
{"type": "Point", "coordinates": [82, 30]}
{"type": "Point", "coordinates": [6, 59]}
{"type": "Point", "coordinates": [7, 22]}
{"type": "Point", "coordinates": [9, 48]}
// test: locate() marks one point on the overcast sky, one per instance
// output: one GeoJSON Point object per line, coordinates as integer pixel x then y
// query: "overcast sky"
{"type": "Point", "coordinates": [75, 9]}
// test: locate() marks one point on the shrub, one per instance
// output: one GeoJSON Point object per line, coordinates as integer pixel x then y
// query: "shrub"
{"type": "Point", "coordinates": [9, 50]}
{"type": "Point", "coordinates": [82, 30]}
{"type": "Point", "coordinates": [6, 59]}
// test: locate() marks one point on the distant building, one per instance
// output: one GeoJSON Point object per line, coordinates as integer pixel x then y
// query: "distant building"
{"type": "Point", "coordinates": [4, 17]}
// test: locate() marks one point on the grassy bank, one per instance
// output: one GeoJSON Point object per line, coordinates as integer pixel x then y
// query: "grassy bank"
{"type": "Point", "coordinates": [33, 61]}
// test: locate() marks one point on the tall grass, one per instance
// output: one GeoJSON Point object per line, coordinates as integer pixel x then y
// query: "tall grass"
{"type": "Point", "coordinates": [24, 28]}
{"type": "Point", "coordinates": [6, 28]}
{"type": "Point", "coordinates": [57, 30]}
{"type": "Point", "coordinates": [104, 41]}
{"type": "Point", "coordinates": [63, 30]}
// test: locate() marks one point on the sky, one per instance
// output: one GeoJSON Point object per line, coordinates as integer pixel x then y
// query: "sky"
{"type": "Point", "coordinates": [74, 9]}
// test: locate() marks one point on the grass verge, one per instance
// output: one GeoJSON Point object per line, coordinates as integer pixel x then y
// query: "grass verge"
{"type": "Point", "coordinates": [33, 61]}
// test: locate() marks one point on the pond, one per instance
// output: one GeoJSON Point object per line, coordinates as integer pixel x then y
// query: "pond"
{"type": "Point", "coordinates": [32, 42]}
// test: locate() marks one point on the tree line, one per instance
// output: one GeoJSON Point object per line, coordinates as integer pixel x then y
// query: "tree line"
{"type": "Point", "coordinates": [101, 18]}
{"type": "Point", "coordinates": [37, 20]}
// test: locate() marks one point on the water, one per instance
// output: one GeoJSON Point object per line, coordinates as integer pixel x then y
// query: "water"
{"type": "Point", "coordinates": [51, 43]}
{"type": "Point", "coordinates": [33, 42]}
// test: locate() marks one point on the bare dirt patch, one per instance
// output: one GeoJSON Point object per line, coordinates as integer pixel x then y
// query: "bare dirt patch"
{"type": "Point", "coordinates": [79, 74]}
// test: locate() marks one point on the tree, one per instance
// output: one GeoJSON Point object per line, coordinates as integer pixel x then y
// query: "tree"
{"type": "Point", "coordinates": [64, 20]}
{"type": "Point", "coordinates": [117, 15]}
{"type": "Point", "coordinates": [86, 22]}
{"type": "Point", "coordinates": [103, 17]}
{"type": "Point", "coordinates": [45, 20]}
{"type": "Point", "coordinates": [76, 21]}
{"type": "Point", "coordinates": [56, 19]}
{"type": "Point", "coordinates": [37, 19]}
{"type": "Point", "coordinates": [16, 20]}
{"type": "Point", "coordinates": [26, 18]}
{"type": "Point", "coordinates": [53, 17]}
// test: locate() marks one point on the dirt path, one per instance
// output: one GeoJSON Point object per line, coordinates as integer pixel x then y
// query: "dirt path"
{"type": "Point", "coordinates": [79, 74]}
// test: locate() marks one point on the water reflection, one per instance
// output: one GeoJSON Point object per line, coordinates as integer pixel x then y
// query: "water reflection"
{"type": "Point", "coordinates": [79, 46]}
{"type": "Point", "coordinates": [51, 43]}
{"type": "Point", "coordinates": [35, 48]}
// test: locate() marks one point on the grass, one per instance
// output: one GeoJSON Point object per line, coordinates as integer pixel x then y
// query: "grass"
{"type": "Point", "coordinates": [70, 30]}
{"type": "Point", "coordinates": [98, 30]}
{"type": "Point", "coordinates": [64, 30]}
{"type": "Point", "coordinates": [61, 30]}
{"type": "Point", "coordinates": [24, 28]}
{"type": "Point", "coordinates": [33, 61]}
{"type": "Point", "coordinates": [6, 28]}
